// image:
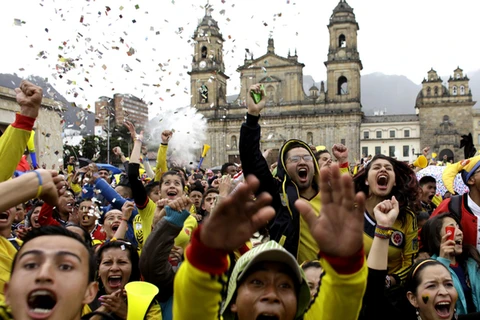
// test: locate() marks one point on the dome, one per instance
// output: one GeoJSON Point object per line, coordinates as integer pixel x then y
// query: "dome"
{"type": "Point", "coordinates": [313, 88]}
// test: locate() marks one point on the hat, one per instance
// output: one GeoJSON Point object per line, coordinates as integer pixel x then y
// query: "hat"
{"type": "Point", "coordinates": [465, 167]}
{"type": "Point", "coordinates": [209, 171]}
{"type": "Point", "coordinates": [270, 251]}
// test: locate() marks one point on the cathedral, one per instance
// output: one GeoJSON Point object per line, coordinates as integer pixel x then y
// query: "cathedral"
{"type": "Point", "coordinates": [327, 115]}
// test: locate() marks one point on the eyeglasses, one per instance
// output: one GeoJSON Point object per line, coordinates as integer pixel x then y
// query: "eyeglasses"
{"type": "Point", "coordinates": [295, 159]}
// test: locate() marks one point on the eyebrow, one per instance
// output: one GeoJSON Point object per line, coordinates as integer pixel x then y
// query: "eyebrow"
{"type": "Point", "coordinates": [59, 253]}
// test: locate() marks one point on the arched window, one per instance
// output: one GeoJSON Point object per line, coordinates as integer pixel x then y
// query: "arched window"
{"type": "Point", "coordinates": [446, 118]}
{"type": "Point", "coordinates": [310, 138]}
{"type": "Point", "coordinates": [271, 93]}
{"type": "Point", "coordinates": [342, 41]}
{"type": "Point", "coordinates": [204, 52]}
{"type": "Point", "coordinates": [233, 142]}
{"type": "Point", "coordinates": [203, 94]}
{"type": "Point", "coordinates": [454, 90]}
{"type": "Point", "coordinates": [462, 90]}
{"type": "Point", "coordinates": [342, 86]}
{"type": "Point", "coordinates": [435, 91]}
{"type": "Point", "coordinates": [429, 91]}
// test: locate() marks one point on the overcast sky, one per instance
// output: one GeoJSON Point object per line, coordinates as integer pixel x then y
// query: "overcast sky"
{"type": "Point", "coordinates": [405, 37]}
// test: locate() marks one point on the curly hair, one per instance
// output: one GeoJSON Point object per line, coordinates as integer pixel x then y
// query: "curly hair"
{"type": "Point", "coordinates": [406, 188]}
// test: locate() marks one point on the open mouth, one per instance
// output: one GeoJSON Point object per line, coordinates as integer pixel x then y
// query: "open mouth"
{"type": "Point", "coordinates": [172, 193]}
{"type": "Point", "coordinates": [382, 180]}
{"type": "Point", "coordinates": [458, 242]}
{"type": "Point", "coordinates": [85, 217]}
{"type": "Point", "coordinates": [267, 316]}
{"type": "Point", "coordinates": [431, 196]}
{"type": "Point", "coordinates": [115, 281]}
{"type": "Point", "coordinates": [443, 309]}
{"type": "Point", "coordinates": [115, 227]}
{"type": "Point", "coordinates": [4, 216]}
{"type": "Point", "coordinates": [41, 302]}
{"type": "Point", "coordinates": [302, 173]}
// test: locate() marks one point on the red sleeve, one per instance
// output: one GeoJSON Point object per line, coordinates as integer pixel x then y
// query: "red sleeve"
{"type": "Point", "coordinates": [346, 265]}
{"type": "Point", "coordinates": [45, 218]}
{"type": "Point", "coordinates": [23, 122]}
{"type": "Point", "coordinates": [213, 261]}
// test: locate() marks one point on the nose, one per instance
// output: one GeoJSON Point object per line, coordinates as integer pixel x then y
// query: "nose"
{"type": "Point", "coordinates": [44, 273]}
{"type": "Point", "coordinates": [458, 232]}
{"type": "Point", "coordinates": [270, 294]}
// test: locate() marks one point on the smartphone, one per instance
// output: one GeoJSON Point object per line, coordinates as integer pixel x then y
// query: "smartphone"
{"type": "Point", "coordinates": [452, 232]}
{"type": "Point", "coordinates": [257, 97]}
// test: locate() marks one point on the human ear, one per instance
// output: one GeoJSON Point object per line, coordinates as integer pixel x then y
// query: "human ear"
{"type": "Point", "coordinates": [412, 299]}
{"type": "Point", "coordinates": [91, 292]}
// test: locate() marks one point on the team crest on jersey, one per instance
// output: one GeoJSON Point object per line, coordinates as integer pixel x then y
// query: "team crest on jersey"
{"type": "Point", "coordinates": [187, 231]}
{"type": "Point", "coordinates": [397, 238]}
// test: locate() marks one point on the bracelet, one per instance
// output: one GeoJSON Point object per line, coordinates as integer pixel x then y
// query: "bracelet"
{"type": "Point", "coordinates": [40, 182]}
{"type": "Point", "coordinates": [124, 219]}
{"type": "Point", "coordinates": [383, 232]}
{"type": "Point", "coordinates": [138, 139]}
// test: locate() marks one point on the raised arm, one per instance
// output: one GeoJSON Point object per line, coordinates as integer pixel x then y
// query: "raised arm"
{"type": "Point", "coordinates": [338, 231]}
{"type": "Point", "coordinates": [42, 184]}
{"type": "Point", "coordinates": [154, 264]}
{"type": "Point", "coordinates": [14, 140]}
{"type": "Point", "coordinates": [161, 166]}
{"type": "Point", "coordinates": [375, 303]}
{"type": "Point", "coordinates": [252, 158]}
{"type": "Point", "coordinates": [234, 221]}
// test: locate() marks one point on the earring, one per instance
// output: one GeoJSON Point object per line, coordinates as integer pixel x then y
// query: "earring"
{"type": "Point", "coordinates": [418, 315]}
{"type": "Point", "coordinates": [455, 315]}
{"type": "Point", "coordinates": [366, 183]}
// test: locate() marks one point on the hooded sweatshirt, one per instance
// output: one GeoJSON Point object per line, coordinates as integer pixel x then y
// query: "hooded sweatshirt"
{"type": "Point", "coordinates": [287, 228]}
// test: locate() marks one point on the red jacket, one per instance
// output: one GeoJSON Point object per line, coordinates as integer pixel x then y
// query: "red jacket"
{"type": "Point", "coordinates": [468, 220]}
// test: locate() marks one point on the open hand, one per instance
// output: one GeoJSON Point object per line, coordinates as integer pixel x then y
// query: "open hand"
{"type": "Point", "coordinates": [237, 217]}
{"type": "Point", "coordinates": [115, 302]}
{"type": "Point", "coordinates": [338, 229]}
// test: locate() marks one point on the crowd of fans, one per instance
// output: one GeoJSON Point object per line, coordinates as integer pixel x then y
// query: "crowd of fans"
{"type": "Point", "coordinates": [310, 237]}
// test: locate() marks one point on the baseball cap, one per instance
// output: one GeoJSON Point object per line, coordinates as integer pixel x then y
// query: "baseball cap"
{"type": "Point", "coordinates": [269, 251]}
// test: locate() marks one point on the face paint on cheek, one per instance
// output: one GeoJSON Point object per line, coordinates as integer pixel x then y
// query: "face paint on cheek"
{"type": "Point", "coordinates": [425, 299]}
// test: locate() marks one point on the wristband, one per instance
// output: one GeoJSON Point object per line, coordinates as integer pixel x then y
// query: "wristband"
{"type": "Point", "coordinates": [124, 219]}
{"type": "Point", "coordinates": [40, 182]}
{"type": "Point", "coordinates": [383, 232]}
{"type": "Point", "coordinates": [138, 139]}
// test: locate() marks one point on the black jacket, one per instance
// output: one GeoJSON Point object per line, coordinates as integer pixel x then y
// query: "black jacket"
{"type": "Point", "coordinates": [285, 227]}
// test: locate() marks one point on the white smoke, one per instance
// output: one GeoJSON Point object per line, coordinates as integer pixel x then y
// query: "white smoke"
{"type": "Point", "coordinates": [189, 134]}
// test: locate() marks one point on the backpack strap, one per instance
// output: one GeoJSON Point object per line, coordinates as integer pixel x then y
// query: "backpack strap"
{"type": "Point", "coordinates": [455, 206]}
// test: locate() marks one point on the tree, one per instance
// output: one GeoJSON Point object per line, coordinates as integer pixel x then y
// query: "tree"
{"type": "Point", "coordinates": [94, 148]}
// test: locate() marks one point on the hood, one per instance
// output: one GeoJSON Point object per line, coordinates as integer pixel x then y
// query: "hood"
{"type": "Point", "coordinates": [282, 159]}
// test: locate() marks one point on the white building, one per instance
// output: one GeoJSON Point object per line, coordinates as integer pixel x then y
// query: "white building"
{"type": "Point", "coordinates": [393, 135]}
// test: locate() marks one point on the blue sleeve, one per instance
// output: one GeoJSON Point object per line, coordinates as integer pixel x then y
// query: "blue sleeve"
{"type": "Point", "coordinates": [116, 201]}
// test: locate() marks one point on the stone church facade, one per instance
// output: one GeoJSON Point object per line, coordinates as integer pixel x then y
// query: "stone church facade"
{"type": "Point", "coordinates": [445, 113]}
{"type": "Point", "coordinates": [327, 115]}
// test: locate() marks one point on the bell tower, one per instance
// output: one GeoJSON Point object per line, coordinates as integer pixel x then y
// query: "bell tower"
{"type": "Point", "coordinates": [343, 64]}
{"type": "Point", "coordinates": [208, 82]}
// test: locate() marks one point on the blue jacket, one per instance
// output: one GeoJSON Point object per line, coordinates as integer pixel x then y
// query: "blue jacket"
{"type": "Point", "coordinates": [473, 272]}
